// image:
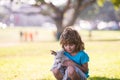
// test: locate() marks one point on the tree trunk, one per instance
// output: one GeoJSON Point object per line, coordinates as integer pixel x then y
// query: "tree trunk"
{"type": "Point", "coordinates": [59, 24]}
{"type": "Point", "coordinates": [59, 14]}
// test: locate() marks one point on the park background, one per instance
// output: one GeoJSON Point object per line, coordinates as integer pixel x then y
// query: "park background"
{"type": "Point", "coordinates": [29, 58]}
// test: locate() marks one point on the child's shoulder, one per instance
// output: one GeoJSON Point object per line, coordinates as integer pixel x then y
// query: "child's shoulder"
{"type": "Point", "coordinates": [83, 52]}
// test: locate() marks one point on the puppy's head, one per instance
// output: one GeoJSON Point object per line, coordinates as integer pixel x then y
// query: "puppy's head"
{"type": "Point", "coordinates": [53, 52]}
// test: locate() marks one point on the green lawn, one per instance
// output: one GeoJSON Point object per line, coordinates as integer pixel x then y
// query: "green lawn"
{"type": "Point", "coordinates": [32, 60]}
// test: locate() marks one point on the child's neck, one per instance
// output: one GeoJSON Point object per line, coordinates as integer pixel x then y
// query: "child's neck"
{"type": "Point", "coordinates": [74, 53]}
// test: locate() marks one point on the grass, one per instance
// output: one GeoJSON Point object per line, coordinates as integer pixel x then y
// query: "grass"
{"type": "Point", "coordinates": [32, 60]}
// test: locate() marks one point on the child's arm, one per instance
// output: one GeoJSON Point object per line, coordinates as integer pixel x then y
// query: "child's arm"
{"type": "Point", "coordinates": [83, 67]}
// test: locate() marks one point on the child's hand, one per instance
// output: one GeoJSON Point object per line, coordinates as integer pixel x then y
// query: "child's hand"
{"type": "Point", "coordinates": [68, 63]}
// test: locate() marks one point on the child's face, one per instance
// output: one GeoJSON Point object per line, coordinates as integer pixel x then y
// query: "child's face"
{"type": "Point", "coordinates": [70, 48]}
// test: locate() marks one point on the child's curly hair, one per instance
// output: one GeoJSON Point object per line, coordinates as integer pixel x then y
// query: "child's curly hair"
{"type": "Point", "coordinates": [71, 36]}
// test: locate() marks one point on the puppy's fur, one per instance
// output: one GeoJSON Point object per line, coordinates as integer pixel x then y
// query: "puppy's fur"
{"type": "Point", "coordinates": [59, 59]}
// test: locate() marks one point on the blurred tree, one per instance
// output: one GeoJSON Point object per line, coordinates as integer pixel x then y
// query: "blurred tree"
{"type": "Point", "coordinates": [116, 3]}
{"type": "Point", "coordinates": [108, 12]}
{"type": "Point", "coordinates": [105, 12]}
{"type": "Point", "coordinates": [66, 14]}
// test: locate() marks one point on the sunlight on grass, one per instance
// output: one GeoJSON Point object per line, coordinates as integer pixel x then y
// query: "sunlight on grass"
{"type": "Point", "coordinates": [32, 60]}
{"type": "Point", "coordinates": [104, 59]}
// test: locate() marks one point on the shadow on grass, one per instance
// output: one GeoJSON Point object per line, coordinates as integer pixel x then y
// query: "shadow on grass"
{"type": "Point", "coordinates": [104, 39]}
{"type": "Point", "coordinates": [92, 78]}
{"type": "Point", "coordinates": [102, 78]}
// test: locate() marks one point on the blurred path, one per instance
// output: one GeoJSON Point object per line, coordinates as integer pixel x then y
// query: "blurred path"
{"type": "Point", "coordinates": [8, 44]}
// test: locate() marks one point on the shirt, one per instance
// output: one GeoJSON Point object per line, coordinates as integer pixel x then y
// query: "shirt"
{"type": "Point", "coordinates": [80, 58]}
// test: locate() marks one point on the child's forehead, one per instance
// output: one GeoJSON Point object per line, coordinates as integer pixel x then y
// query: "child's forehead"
{"type": "Point", "coordinates": [68, 43]}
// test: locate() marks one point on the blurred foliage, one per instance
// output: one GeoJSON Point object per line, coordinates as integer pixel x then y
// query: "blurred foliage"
{"type": "Point", "coordinates": [116, 3]}
{"type": "Point", "coordinates": [100, 3]}
{"type": "Point", "coordinates": [39, 0]}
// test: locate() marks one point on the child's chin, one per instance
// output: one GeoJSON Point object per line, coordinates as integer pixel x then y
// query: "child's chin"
{"type": "Point", "coordinates": [70, 51]}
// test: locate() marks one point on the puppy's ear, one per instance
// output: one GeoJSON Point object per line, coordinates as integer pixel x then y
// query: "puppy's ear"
{"type": "Point", "coordinates": [53, 52]}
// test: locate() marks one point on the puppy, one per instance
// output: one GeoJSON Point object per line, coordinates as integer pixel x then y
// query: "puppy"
{"type": "Point", "coordinates": [59, 59]}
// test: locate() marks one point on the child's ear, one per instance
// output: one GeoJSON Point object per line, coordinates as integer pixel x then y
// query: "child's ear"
{"type": "Point", "coordinates": [53, 52]}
